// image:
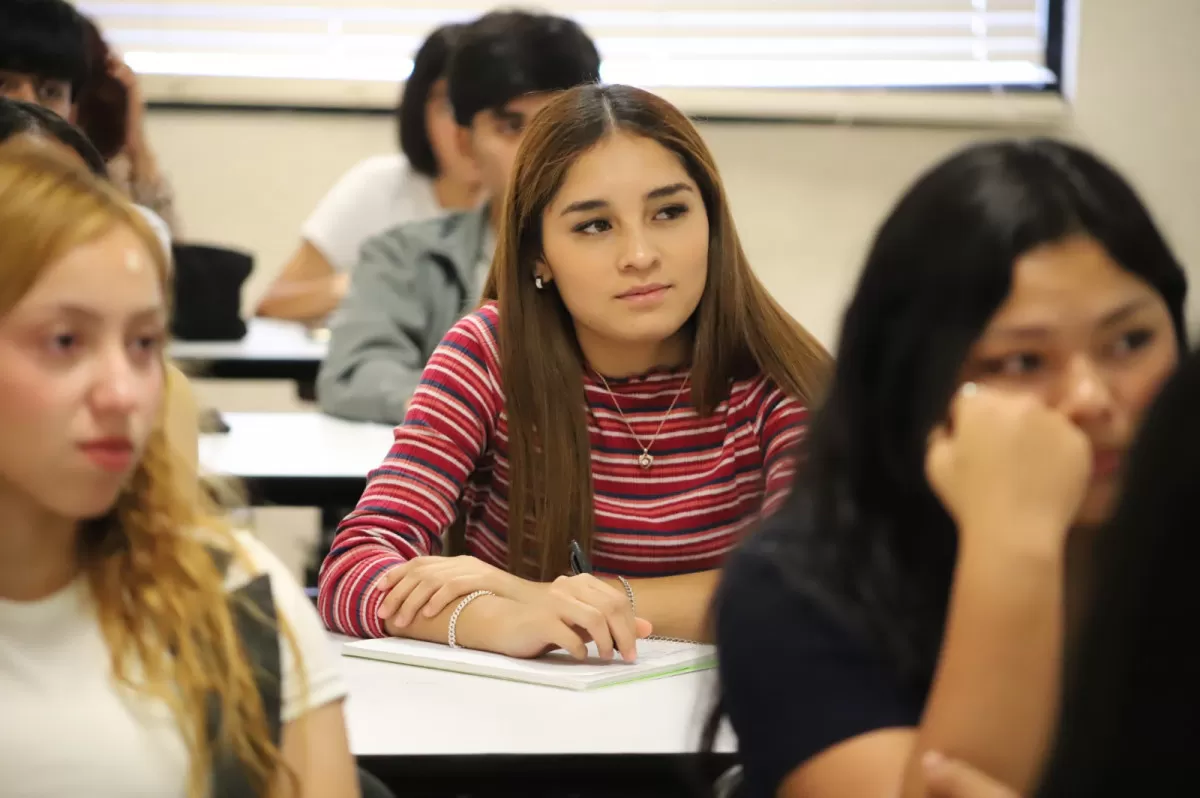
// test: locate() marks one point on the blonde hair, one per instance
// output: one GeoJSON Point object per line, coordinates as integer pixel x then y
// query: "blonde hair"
{"type": "Point", "coordinates": [160, 595]}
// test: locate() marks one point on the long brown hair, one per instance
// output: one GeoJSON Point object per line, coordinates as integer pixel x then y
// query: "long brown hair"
{"type": "Point", "coordinates": [159, 594]}
{"type": "Point", "coordinates": [739, 330]}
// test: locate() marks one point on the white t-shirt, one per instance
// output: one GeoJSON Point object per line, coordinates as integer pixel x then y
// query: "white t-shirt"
{"type": "Point", "coordinates": [67, 730]}
{"type": "Point", "coordinates": [374, 196]}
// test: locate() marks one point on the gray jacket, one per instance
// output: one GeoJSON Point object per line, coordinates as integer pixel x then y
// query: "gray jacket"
{"type": "Point", "coordinates": [411, 285]}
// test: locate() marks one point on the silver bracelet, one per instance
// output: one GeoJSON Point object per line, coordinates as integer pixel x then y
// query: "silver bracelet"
{"type": "Point", "coordinates": [462, 605]}
{"type": "Point", "coordinates": [628, 593]}
{"type": "Point", "coordinates": [633, 605]}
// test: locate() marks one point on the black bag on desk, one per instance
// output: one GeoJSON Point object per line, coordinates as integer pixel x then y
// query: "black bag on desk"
{"type": "Point", "coordinates": [208, 293]}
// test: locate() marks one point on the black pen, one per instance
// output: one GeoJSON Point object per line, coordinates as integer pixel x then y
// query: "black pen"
{"type": "Point", "coordinates": [580, 564]}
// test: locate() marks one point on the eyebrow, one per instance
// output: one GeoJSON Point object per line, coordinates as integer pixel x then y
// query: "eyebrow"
{"type": "Point", "coordinates": [148, 313]}
{"type": "Point", "coordinates": [1113, 317]}
{"type": "Point", "coordinates": [596, 204]}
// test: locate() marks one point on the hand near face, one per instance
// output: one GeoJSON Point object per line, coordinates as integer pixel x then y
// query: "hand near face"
{"type": "Point", "coordinates": [1010, 466]}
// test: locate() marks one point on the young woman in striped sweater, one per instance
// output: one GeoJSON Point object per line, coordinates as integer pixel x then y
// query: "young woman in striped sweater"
{"type": "Point", "coordinates": [629, 386]}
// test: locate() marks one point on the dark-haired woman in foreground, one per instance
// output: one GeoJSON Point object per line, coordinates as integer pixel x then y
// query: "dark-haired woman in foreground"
{"type": "Point", "coordinates": [1131, 709]}
{"type": "Point", "coordinates": [1017, 313]}
{"type": "Point", "coordinates": [628, 384]}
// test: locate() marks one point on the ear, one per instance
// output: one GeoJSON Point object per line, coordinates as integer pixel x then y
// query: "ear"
{"type": "Point", "coordinates": [543, 270]}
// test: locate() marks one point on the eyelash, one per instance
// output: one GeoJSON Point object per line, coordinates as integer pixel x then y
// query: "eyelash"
{"type": "Point", "coordinates": [675, 211]}
{"type": "Point", "coordinates": [1133, 340]}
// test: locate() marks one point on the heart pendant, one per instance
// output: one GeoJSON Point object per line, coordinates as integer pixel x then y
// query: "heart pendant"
{"type": "Point", "coordinates": [646, 460]}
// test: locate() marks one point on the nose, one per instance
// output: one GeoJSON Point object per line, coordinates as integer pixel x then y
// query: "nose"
{"type": "Point", "coordinates": [114, 391]}
{"type": "Point", "coordinates": [640, 253]}
{"type": "Point", "coordinates": [1086, 396]}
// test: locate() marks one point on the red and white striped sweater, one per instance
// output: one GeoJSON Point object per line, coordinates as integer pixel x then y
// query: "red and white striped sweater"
{"type": "Point", "coordinates": [712, 477]}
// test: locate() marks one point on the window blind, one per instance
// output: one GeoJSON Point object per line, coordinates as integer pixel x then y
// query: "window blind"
{"type": "Point", "coordinates": [671, 44]}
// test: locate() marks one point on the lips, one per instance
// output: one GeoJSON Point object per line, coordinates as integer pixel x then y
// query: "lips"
{"type": "Point", "coordinates": [644, 291]}
{"type": "Point", "coordinates": [110, 454]}
{"type": "Point", "coordinates": [1105, 463]}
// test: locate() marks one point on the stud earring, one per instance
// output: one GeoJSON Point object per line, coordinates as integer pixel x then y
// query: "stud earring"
{"type": "Point", "coordinates": [538, 283]}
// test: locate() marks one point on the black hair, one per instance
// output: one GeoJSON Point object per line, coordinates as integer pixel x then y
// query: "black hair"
{"type": "Point", "coordinates": [429, 66]}
{"type": "Point", "coordinates": [862, 533]}
{"type": "Point", "coordinates": [506, 54]}
{"type": "Point", "coordinates": [20, 117]}
{"type": "Point", "coordinates": [1130, 723]}
{"type": "Point", "coordinates": [43, 38]}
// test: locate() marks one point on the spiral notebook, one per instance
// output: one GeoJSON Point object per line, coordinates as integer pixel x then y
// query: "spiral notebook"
{"type": "Point", "coordinates": [656, 659]}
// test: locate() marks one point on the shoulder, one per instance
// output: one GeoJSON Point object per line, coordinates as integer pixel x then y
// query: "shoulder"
{"type": "Point", "coordinates": [382, 171]}
{"type": "Point", "coordinates": [435, 234]}
{"type": "Point", "coordinates": [476, 336]}
{"type": "Point", "coordinates": [311, 673]}
{"type": "Point", "coordinates": [760, 398]}
{"type": "Point", "coordinates": [795, 680]}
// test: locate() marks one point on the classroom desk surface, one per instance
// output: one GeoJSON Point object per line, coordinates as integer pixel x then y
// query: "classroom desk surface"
{"type": "Point", "coordinates": [270, 350]}
{"type": "Point", "coordinates": [298, 459]}
{"type": "Point", "coordinates": [462, 714]}
{"type": "Point", "coordinates": [480, 736]}
{"type": "Point", "coordinates": [265, 339]}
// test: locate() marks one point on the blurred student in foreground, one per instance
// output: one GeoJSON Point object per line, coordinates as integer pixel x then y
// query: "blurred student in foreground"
{"type": "Point", "coordinates": [429, 177]}
{"type": "Point", "coordinates": [145, 648]}
{"type": "Point", "coordinates": [1018, 312]}
{"type": "Point", "coordinates": [413, 282]}
{"type": "Point", "coordinates": [1130, 720]}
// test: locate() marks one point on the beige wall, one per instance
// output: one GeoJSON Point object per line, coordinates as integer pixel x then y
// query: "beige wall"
{"type": "Point", "coordinates": [806, 197]}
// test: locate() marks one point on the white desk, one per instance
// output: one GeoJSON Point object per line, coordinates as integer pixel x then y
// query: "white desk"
{"type": "Point", "coordinates": [296, 459]}
{"type": "Point", "coordinates": [266, 339]}
{"type": "Point", "coordinates": [403, 711]}
{"type": "Point", "coordinates": [270, 350]}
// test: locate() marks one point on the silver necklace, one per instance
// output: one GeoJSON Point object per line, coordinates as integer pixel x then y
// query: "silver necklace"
{"type": "Point", "coordinates": [645, 459]}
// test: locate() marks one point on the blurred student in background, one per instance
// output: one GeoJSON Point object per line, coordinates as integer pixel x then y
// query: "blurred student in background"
{"type": "Point", "coordinates": [628, 385]}
{"type": "Point", "coordinates": [49, 57]}
{"type": "Point", "coordinates": [1017, 313]}
{"type": "Point", "coordinates": [413, 282]}
{"type": "Point", "coordinates": [431, 177]}
{"type": "Point", "coordinates": [145, 649]}
{"type": "Point", "coordinates": [111, 110]}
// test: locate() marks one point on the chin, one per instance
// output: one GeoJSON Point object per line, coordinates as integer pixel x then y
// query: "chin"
{"type": "Point", "coordinates": [1098, 505]}
{"type": "Point", "coordinates": [85, 505]}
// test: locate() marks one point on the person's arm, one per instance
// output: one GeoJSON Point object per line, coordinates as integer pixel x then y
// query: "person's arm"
{"type": "Point", "coordinates": [375, 353]}
{"type": "Point", "coordinates": [676, 606]}
{"type": "Point", "coordinates": [999, 662]}
{"type": "Point", "coordinates": [147, 185]}
{"type": "Point", "coordinates": [316, 750]}
{"type": "Point", "coordinates": [411, 500]}
{"type": "Point", "coordinates": [307, 289]}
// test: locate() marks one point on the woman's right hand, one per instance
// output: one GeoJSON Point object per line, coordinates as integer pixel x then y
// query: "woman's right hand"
{"type": "Point", "coordinates": [1008, 466]}
{"type": "Point", "coordinates": [529, 629]}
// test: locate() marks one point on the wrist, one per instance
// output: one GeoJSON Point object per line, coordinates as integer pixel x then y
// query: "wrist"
{"type": "Point", "coordinates": [1016, 540]}
{"type": "Point", "coordinates": [477, 622]}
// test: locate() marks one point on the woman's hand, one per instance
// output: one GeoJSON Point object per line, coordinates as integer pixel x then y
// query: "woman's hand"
{"type": "Point", "coordinates": [1009, 464]}
{"type": "Point", "coordinates": [135, 133]}
{"type": "Point", "coordinates": [950, 778]}
{"type": "Point", "coordinates": [518, 629]}
{"type": "Point", "coordinates": [429, 584]}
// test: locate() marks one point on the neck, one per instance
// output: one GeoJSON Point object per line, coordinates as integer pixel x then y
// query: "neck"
{"type": "Point", "coordinates": [455, 195]}
{"type": "Point", "coordinates": [38, 550]}
{"type": "Point", "coordinates": [616, 359]}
